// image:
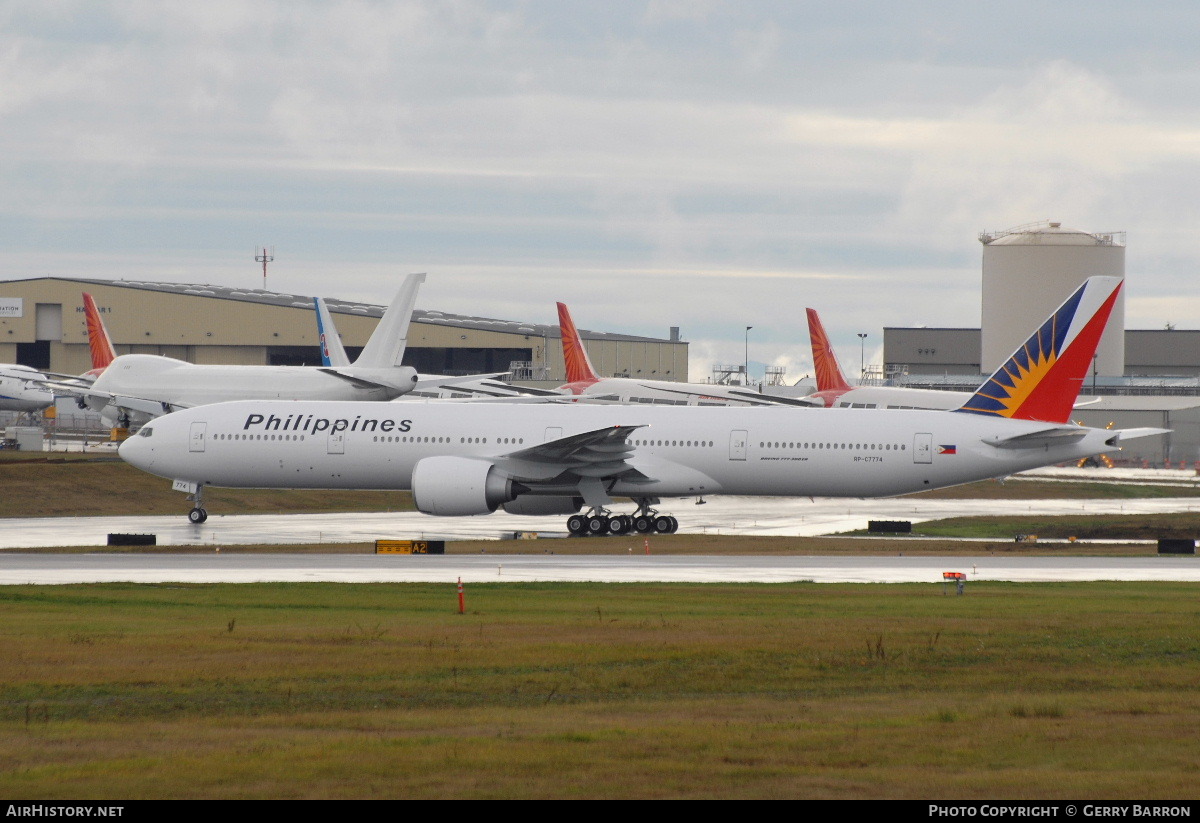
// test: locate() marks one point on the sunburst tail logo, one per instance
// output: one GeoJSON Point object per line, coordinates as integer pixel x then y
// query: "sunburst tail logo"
{"type": "Point", "coordinates": [1042, 379]}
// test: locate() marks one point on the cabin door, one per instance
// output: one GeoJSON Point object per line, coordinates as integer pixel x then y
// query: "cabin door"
{"type": "Point", "coordinates": [922, 448]}
{"type": "Point", "coordinates": [737, 444]}
{"type": "Point", "coordinates": [337, 442]}
{"type": "Point", "coordinates": [196, 437]}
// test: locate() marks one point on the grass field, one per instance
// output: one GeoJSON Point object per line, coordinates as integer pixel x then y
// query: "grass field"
{"type": "Point", "coordinates": [600, 691]}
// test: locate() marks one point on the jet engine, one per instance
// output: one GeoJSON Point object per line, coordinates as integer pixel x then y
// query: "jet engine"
{"type": "Point", "coordinates": [533, 505]}
{"type": "Point", "coordinates": [459, 486]}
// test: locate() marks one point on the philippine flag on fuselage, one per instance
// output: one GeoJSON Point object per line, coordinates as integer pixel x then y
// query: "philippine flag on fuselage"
{"type": "Point", "coordinates": [947, 450]}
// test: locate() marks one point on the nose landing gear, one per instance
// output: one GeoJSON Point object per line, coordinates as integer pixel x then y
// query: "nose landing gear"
{"type": "Point", "coordinates": [197, 515]}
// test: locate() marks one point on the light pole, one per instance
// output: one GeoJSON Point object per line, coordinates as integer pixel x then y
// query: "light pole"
{"type": "Point", "coordinates": [862, 356]}
{"type": "Point", "coordinates": [746, 366]}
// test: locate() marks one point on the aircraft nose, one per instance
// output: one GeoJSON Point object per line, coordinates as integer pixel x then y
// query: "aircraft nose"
{"type": "Point", "coordinates": [138, 452]}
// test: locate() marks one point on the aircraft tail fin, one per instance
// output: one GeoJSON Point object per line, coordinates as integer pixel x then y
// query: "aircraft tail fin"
{"type": "Point", "coordinates": [830, 376]}
{"type": "Point", "coordinates": [332, 351]}
{"type": "Point", "coordinates": [579, 365]}
{"type": "Point", "coordinates": [1042, 379]}
{"type": "Point", "coordinates": [386, 347]}
{"type": "Point", "coordinates": [99, 342]}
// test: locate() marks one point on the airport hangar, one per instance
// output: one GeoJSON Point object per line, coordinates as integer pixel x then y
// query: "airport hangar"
{"type": "Point", "coordinates": [42, 325]}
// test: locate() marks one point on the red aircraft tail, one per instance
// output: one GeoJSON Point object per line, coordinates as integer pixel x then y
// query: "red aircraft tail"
{"type": "Point", "coordinates": [829, 373]}
{"type": "Point", "coordinates": [98, 340]}
{"type": "Point", "coordinates": [579, 366]}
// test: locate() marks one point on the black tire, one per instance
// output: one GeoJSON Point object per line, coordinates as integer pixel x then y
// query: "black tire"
{"type": "Point", "coordinates": [597, 525]}
{"type": "Point", "coordinates": [662, 525]}
{"type": "Point", "coordinates": [577, 525]}
{"type": "Point", "coordinates": [643, 524]}
{"type": "Point", "coordinates": [618, 525]}
{"type": "Point", "coordinates": [674, 523]}
{"type": "Point", "coordinates": [197, 516]}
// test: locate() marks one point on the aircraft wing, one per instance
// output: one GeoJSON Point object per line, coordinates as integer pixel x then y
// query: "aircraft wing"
{"type": "Point", "coordinates": [490, 388]}
{"type": "Point", "coordinates": [741, 395]}
{"type": "Point", "coordinates": [459, 383]}
{"type": "Point", "coordinates": [601, 454]}
{"type": "Point", "coordinates": [96, 399]}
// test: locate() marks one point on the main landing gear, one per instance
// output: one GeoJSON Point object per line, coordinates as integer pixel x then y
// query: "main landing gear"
{"type": "Point", "coordinates": [599, 522]}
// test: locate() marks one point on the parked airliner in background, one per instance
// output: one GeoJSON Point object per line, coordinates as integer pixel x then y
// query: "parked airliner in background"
{"type": "Point", "coordinates": [22, 390]}
{"type": "Point", "coordinates": [26, 389]}
{"type": "Point", "coordinates": [150, 385]}
{"type": "Point", "coordinates": [835, 391]}
{"type": "Point", "coordinates": [428, 385]}
{"type": "Point", "coordinates": [466, 459]}
{"type": "Point", "coordinates": [583, 382]}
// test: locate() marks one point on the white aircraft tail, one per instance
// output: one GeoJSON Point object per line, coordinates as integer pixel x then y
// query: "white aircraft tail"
{"type": "Point", "coordinates": [385, 349]}
{"type": "Point", "coordinates": [332, 351]}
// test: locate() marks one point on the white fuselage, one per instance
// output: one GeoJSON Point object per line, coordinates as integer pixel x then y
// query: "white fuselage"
{"type": "Point", "coordinates": [894, 397]}
{"type": "Point", "coordinates": [165, 380]}
{"type": "Point", "coordinates": [665, 393]}
{"type": "Point", "coordinates": [678, 452]}
{"type": "Point", "coordinates": [17, 393]}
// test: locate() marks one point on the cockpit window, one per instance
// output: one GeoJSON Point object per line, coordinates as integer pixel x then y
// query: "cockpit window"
{"type": "Point", "coordinates": [146, 432]}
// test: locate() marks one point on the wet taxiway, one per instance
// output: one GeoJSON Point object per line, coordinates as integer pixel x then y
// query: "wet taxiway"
{"type": "Point", "coordinates": [214, 567]}
{"type": "Point", "coordinates": [720, 515]}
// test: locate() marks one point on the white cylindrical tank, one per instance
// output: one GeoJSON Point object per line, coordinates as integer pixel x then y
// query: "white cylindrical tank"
{"type": "Point", "coordinates": [1029, 271]}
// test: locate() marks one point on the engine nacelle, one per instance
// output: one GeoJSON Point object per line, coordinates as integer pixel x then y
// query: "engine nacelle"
{"type": "Point", "coordinates": [533, 505]}
{"type": "Point", "coordinates": [459, 486]}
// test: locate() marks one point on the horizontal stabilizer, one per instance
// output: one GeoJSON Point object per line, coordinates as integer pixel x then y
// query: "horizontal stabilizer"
{"type": "Point", "coordinates": [375, 378]}
{"type": "Point", "coordinates": [1121, 435]}
{"type": "Point", "coordinates": [1043, 438]}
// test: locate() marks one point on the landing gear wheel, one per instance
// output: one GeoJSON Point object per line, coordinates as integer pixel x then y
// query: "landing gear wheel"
{"type": "Point", "coordinates": [577, 525]}
{"type": "Point", "coordinates": [674, 523]}
{"type": "Point", "coordinates": [597, 525]}
{"type": "Point", "coordinates": [664, 524]}
{"type": "Point", "coordinates": [619, 524]}
{"type": "Point", "coordinates": [197, 516]}
{"type": "Point", "coordinates": [643, 524]}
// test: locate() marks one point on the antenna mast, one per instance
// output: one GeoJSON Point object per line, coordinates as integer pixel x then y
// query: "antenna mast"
{"type": "Point", "coordinates": [264, 255]}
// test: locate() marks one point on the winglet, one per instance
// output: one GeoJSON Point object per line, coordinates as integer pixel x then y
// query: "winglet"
{"type": "Point", "coordinates": [99, 342]}
{"type": "Point", "coordinates": [579, 365]}
{"type": "Point", "coordinates": [1042, 379]}
{"type": "Point", "coordinates": [332, 351]}
{"type": "Point", "coordinates": [829, 373]}
{"type": "Point", "coordinates": [386, 347]}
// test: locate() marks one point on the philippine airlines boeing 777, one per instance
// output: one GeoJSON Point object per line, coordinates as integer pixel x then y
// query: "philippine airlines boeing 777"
{"type": "Point", "coordinates": [466, 459]}
{"type": "Point", "coordinates": [152, 385]}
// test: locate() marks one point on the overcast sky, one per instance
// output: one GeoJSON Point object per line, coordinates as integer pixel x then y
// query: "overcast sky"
{"type": "Point", "coordinates": [708, 165]}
